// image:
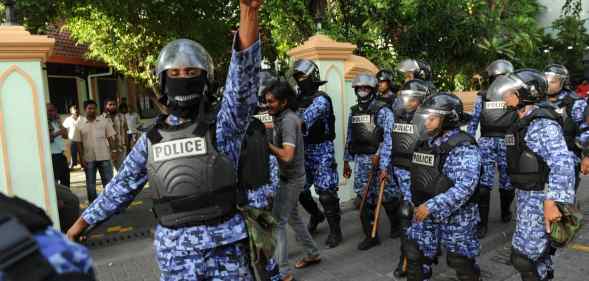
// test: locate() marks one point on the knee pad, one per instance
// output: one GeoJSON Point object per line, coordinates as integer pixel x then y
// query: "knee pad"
{"type": "Point", "coordinates": [525, 266]}
{"type": "Point", "coordinates": [330, 202]}
{"type": "Point", "coordinates": [465, 267]}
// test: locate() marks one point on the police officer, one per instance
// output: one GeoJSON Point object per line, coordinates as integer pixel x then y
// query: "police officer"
{"type": "Point", "coordinates": [411, 96]}
{"type": "Point", "coordinates": [195, 214]}
{"type": "Point", "coordinates": [494, 119]}
{"type": "Point", "coordinates": [568, 105]}
{"type": "Point", "coordinates": [369, 145]}
{"type": "Point", "coordinates": [316, 111]}
{"type": "Point", "coordinates": [541, 169]}
{"type": "Point", "coordinates": [444, 175]}
{"type": "Point", "coordinates": [30, 249]}
{"type": "Point", "coordinates": [415, 69]}
{"type": "Point", "coordinates": [386, 87]}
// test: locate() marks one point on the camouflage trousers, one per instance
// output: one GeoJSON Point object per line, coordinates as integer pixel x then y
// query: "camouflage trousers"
{"type": "Point", "coordinates": [530, 236]}
{"type": "Point", "coordinates": [224, 263]}
{"type": "Point", "coordinates": [457, 234]}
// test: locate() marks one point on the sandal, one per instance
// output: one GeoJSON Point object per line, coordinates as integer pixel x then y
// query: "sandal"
{"type": "Point", "coordinates": [307, 261]}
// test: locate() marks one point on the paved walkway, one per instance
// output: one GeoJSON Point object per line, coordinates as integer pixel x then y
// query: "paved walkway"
{"type": "Point", "coordinates": [122, 249]}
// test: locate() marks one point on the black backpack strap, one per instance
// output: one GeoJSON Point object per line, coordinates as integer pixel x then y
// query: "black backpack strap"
{"type": "Point", "coordinates": [20, 257]}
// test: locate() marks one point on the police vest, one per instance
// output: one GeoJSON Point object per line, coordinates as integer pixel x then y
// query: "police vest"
{"type": "Point", "coordinates": [254, 159]}
{"type": "Point", "coordinates": [20, 255]}
{"type": "Point", "coordinates": [564, 108]}
{"type": "Point", "coordinates": [404, 141]}
{"type": "Point", "coordinates": [268, 122]}
{"type": "Point", "coordinates": [526, 169]}
{"type": "Point", "coordinates": [495, 117]}
{"type": "Point", "coordinates": [322, 130]}
{"type": "Point", "coordinates": [390, 100]}
{"type": "Point", "coordinates": [194, 184]}
{"type": "Point", "coordinates": [427, 178]}
{"type": "Point", "coordinates": [366, 136]}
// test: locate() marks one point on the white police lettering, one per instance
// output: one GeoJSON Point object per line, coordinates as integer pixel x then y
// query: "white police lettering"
{"type": "Point", "coordinates": [403, 128]}
{"type": "Point", "coordinates": [179, 148]}
{"type": "Point", "coordinates": [495, 105]}
{"type": "Point", "coordinates": [361, 119]}
{"type": "Point", "coordinates": [264, 118]}
{"type": "Point", "coordinates": [510, 140]}
{"type": "Point", "coordinates": [423, 159]}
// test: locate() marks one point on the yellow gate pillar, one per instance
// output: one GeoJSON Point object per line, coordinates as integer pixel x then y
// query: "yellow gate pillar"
{"type": "Point", "coordinates": [337, 65]}
{"type": "Point", "coordinates": [25, 160]}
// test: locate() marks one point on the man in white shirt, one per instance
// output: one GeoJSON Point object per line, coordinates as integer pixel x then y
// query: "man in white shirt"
{"type": "Point", "coordinates": [133, 124]}
{"type": "Point", "coordinates": [57, 133]}
{"type": "Point", "coordinates": [70, 124]}
{"type": "Point", "coordinates": [95, 136]}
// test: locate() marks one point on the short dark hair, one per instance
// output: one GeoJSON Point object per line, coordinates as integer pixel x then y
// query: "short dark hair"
{"type": "Point", "coordinates": [282, 91]}
{"type": "Point", "coordinates": [89, 102]}
{"type": "Point", "coordinates": [107, 100]}
{"type": "Point", "coordinates": [73, 106]}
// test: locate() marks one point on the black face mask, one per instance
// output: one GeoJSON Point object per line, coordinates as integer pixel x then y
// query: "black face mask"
{"type": "Point", "coordinates": [185, 94]}
{"type": "Point", "coordinates": [307, 87]}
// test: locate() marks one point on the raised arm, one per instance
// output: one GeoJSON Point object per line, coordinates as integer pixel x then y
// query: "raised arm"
{"type": "Point", "coordinates": [473, 124]}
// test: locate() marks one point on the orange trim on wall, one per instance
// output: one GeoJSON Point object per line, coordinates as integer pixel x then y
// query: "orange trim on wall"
{"type": "Point", "coordinates": [37, 117]}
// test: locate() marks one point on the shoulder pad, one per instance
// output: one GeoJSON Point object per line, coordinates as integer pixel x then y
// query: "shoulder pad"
{"type": "Point", "coordinates": [31, 216]}
{"type": "Point", "coordinates": [461, 138]}
{"type": "Point", "coordinates": [376, 106]}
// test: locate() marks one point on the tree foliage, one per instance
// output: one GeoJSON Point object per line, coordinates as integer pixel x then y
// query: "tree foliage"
{"type": "Point", "coordinates": [458, 37]}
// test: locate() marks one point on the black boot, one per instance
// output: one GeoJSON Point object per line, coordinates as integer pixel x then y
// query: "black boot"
{"type": "Point", "coordinates": [506, 199]}
{"type": "Point", "coordinates": [392, 210]}
{"type": "Point", "coordinates": [330, 202]}
{"type": "Point", "coordinates": [317, 217]}
{"type": "Point", "coordinates": [484, 200]}
{"type": "Point", "coordinates": [366, 219]}
{"type": "Point", "coordinates": [401, 270]}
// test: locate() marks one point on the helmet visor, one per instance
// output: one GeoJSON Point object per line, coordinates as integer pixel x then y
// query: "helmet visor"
{"type": "Point", "coordinates": [410, 99]}
{"type": "Point", "coordinates": [428, 122]}
{"type": "Point", "coordinates": [503, 86]}
{"type": "Point", "coordinates": [185, 54]}
{"type": "Point", "coordinates": [366, 80]}
{"type": "Point", "coordinates": [408, 65]}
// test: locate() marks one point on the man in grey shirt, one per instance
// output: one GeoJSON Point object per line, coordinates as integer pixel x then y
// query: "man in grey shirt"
{"type": "Point", "coordinates": [288, 147]}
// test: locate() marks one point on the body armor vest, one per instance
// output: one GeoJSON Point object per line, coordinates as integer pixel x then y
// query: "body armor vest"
{"type": "Point", "coordinates": [404, 141]}
{"type": "Point", "coordinates": [20, 255]}
{"type": "Point", "coordinates": [564, 108]}
{"type": "Point", "coordinates": [322, 130]}
{"type": "Point", "coordinates": [495, 117]}
{"type": "Point", "coordinates": [268, 122]}
{"type": "Point", "coordinates": [254, 159]}
{"type": "Point", "coordinates": [366, 136]}
{"type": "Point", "coordinates": [194, 184]}
{"type": "Point", "coordinates": [427, 178]}
{"type": "Point", "coordinates": [527, 170]}
{"type": "Point", "coordinates": [390, 100]}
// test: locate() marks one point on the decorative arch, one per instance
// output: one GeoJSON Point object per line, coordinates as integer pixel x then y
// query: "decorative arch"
{"type": "Point", "coordinates": [14, 69]}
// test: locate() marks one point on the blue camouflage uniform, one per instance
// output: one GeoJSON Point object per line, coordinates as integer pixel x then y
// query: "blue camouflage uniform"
{"type": "Point", "coordinates": [363, 162]}
{"type": "Point", "coordinates": [493, 153]}
{"type": "Point", "coordinates": [452, 220]}
{"type": "Point", "coordinates": [403, 176]}
{"type": "Point", "coordinates": [199, 252]}
{"type": "Point", "coordinates": [544, 137]}
{"type": "Point", "coordinates": [320, 165]}
{"type": "Point", "coordinates": [577, 111]}
{"type": "Point", "coordinates": [63, 255]}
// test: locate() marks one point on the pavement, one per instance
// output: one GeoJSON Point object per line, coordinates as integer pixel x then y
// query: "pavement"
{"type": "Point", "coordinates": [122, 247]}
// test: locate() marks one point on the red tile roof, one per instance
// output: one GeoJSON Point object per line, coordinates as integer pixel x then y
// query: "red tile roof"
{"type": "Point", "coordinates": [67, 51]}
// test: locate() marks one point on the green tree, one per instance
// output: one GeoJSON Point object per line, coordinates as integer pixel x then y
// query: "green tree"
{"type": "Point", "coordinates": [567, 44]}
